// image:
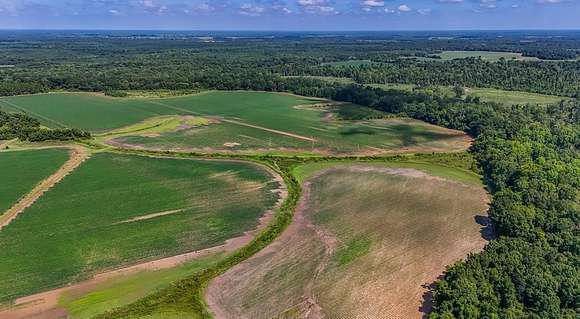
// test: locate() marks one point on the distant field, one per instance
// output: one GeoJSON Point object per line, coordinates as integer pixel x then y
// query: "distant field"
{"type": "Point", "coordinates": [365, 244]}
{"type": "Point", "coordinates": [486, 94]}
{"type": "Point", "coordinates": [485, 55]}
{"type": "Point", "coordinates": [22, 170]}
{"type": "Point", "coordinates": [514, 97]}
{"type": "Point", "coordinates": [119, 209]}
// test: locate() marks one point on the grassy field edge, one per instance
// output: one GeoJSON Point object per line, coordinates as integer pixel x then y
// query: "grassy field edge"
{"type": "Point", "coordinates": [187, 296]}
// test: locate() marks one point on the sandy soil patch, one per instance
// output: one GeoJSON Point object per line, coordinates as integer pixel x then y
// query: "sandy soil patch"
{"type": "Point", "coordinates": [428, 225]}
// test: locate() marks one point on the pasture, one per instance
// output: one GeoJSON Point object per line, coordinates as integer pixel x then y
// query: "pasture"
{"type": "Point", "coordinates": [22, 170]}
{"type": "Point", "coordinates": [116, 210]}
{"type": "Point", "coordinates": [365, 242]}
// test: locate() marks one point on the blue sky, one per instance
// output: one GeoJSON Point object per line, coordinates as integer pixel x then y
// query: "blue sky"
{"type": "Point", "coordinates": [290, 14]}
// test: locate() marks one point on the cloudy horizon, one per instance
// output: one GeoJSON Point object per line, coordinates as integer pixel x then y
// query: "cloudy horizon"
{"type": "Point", "coordinates": [291, 15]}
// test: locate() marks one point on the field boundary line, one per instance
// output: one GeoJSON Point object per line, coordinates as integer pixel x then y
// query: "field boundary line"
{"type": "Point", "coordinates": [223, 119]}
{"type": "Point", "coordinates": [33, 113]}
{"type": "Point", "coordinates": [77, 156]}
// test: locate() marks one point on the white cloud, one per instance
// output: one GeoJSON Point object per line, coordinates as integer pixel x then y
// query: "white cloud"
{"type": "Point", "coordinates": [404, 8]}
{"type": "Point", "coordinates": [317, 6]}
{"type": "Point", "coordinates": [373, 3]}
{"type": "Point", "coordinates": [251, 10]}
{"type": "Point", "coordinates": [424, 12]}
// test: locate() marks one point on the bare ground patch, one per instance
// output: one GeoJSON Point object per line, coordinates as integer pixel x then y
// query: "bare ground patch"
{"type": "Point", "coordinates": [415, 224]}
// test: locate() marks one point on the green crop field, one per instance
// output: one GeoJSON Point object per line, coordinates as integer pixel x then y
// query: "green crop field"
{"type": "Point", "coordinates": [116, 210]}
{"type": "Point", "coordinates": [299, 127]}
{"type": "Point", "coordinates": [237, 121]}
{"type": "Point", "coordinates": [368, 239]}
{"type": "Point", "coordinates": [22, 170]}
{"type": "Point", "coordinates": [85, 111]}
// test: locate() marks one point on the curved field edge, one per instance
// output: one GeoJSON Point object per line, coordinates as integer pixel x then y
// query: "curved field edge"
{"type": "Point", "coordinates": [88, 272]}
{"type": "Point", "coordinates": [282, 275]}
{"type": "Point", "coordinates": [26, 177]}
{"type": "Point", "coordinates": [185, 298]}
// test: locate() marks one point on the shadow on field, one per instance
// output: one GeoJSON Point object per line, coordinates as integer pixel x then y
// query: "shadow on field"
{"type": "Point", "coordinates": [486, 230]}
{"type": "Point", "coordinates": [427, 303]}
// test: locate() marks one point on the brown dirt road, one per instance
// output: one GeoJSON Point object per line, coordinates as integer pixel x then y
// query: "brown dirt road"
{"type": "Point", "coordinates": [78, 155]}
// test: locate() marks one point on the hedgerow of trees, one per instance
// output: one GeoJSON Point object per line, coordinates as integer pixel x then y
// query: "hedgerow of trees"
{"type": "Point", "coordinates": [26, 128]}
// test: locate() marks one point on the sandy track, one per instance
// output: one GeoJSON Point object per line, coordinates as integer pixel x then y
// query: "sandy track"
{"type": "Point", "coordinates": [45, 305]}
{"type": "Point", "coordinates": [78, 155]}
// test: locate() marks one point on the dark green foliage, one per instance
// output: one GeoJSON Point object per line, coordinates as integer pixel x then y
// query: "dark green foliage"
{"type": "Point", "coordinates": [26, 128]}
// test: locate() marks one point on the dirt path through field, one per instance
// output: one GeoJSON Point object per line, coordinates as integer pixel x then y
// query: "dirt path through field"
{"type": "Point", "coordinates": [45, 305]}
{"type": "Point", "coordinates": [78, 155]}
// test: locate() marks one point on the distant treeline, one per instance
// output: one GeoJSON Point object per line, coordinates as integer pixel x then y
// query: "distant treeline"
{"type": "Point", "coordinates": [100, 64]}
{"type": "Point", "coordinates": [561, 78]}
{"type": "Point", "coordinates": [26, 128]}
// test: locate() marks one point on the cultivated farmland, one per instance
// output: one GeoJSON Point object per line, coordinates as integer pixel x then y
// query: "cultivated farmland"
{"type": "Point", "coordinates": [22, 170]}
{"type": "Point", "coordinates": [239, 122]}
{"type": "Point", "coordinates": [366, 242]}
{"type": "Point", "coordinates": [117, 209]}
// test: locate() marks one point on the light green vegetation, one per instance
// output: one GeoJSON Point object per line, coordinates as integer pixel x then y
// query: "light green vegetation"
{"type": "Point", "coordinates": [514, 97]}
{"type": "Point", "coordinates": [246, 120]}
{"type": "Point", "coordinates": [21, 171]}
{"type": "Point", "coordinates": [369, 238]}
{"type": "Point", "coordinates": [238, 121]}
{"type": "Point", "coordinates": [157, 125]}
{"type": "Point", "coordinates": [120, 291]}
{"type": "Point", "coordinates": [304, 172]}
{"type": "Point", "coordinates": [485, 55]}
{"type": "Point", "coordinates": [90, 112]}
{"type": "Point", "coordinates": [117, 209]}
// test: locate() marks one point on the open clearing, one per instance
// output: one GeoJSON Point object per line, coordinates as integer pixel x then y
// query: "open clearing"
{"type": "Point", "coordinates": [237, 122]}
{"type": "Point", "coordinates": [77, 229]}
{"type": "Point", "coordinates": [366, 242]}
{"type": "Point", "coordinates": [490, 56]}
{"type": "Point", "coordinates": [485, 94]}
{"type": "Point", "coordinates": [22, 170]}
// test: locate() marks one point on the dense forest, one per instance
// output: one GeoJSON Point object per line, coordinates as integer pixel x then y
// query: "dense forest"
{"type": "Point", "coordinates": [529, 155]}
{"type": "Point", "coordinates": [31, 63]}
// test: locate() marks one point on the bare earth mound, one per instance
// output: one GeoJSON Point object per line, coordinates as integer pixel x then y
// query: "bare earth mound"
{"type": "Point", "coordinates": [365, 243]}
